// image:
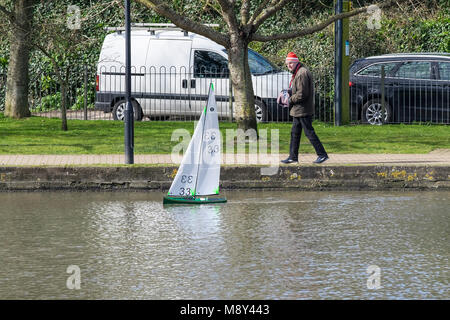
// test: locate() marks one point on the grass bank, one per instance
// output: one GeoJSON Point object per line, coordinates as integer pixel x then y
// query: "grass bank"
{"type": "Point", "coordinates": [37, 135]}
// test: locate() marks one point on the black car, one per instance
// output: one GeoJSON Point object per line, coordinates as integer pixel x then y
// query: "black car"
{"type": "Point", "coordinates": [416, 88]}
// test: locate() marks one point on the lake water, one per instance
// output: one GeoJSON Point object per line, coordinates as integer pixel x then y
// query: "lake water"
{"type": "Point", "coordinates": [259, 245]}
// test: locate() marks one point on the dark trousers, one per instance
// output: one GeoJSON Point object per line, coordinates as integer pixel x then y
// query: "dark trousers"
{"type": "Point", "coordinates": [304, 123]}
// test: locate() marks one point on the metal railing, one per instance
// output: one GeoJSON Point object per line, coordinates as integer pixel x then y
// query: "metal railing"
{"type": "Point", "coordinates": [165, 93]}
{"type": "Point", "coordinates": [45, 95]}
{"type": "Point", "coordinates": [170, 93]}
{"type": "Point", "coordinates": [2, 88]}
{"type": "Point", "coordinates": [179, 93]}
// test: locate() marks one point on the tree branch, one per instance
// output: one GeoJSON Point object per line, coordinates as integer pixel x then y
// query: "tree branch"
{"type": "Point", "coordinates": [245, 11]}
{"type": "Point", "coordinates": [52, 60]}
{"type": "Point", "coordinates": [208, 4]}
{"type": "Point", "coordinates": [270, 11]}
{"type": "Point", "coordinates": [258, 10]}
{"type": "Point", "coordinates": [11, 17]}
{"type": "Point", "coordinates": [183, 22]}
{"type": "Point", "coordinates": [228, 14]}
{"type": "Point", "coordinates": [98, 9]}
{"type": "Point", "coordinates": [318, 27]}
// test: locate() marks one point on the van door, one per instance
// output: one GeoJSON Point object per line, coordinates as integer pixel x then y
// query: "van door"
{"type": "Point", "coordinates": [111, 70]}
{"type": "Point", "coordinates": [167, 78]}
{"type": "Point", "coordinates": [209, 67]}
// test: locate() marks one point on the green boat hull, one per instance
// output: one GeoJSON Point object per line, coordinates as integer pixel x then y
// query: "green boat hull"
{"type": "Point", "coordinates": [192, 200]}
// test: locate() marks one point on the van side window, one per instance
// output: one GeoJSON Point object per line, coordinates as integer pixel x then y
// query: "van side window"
{"type": "Point", "coordinates": [208, 64]}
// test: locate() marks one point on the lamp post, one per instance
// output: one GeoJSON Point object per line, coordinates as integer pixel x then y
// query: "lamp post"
{"type": "Point", "coordinates": [338, 66]}
{"type": "Point", "coordinates": [129, 123]}
{"type": "Point", "coordinates": [342, 63]}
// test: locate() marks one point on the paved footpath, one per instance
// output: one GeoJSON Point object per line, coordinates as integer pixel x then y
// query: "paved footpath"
{"type": "Point", "coordinates": [437, 157]}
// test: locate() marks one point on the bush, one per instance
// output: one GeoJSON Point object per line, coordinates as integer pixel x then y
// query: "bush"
{"type": "Point", "coordinates": [417, 35]}
{"type": "Point", "coordinates": [79, 99]}
{"type": "Point", "coordinates": [48, 103]}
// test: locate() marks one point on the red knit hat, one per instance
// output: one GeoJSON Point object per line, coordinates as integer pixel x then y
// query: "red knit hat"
{"type": "Point", "coordinates": [291, 57]}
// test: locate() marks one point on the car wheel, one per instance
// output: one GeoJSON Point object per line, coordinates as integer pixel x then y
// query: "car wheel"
{"type": "Point", "coordinates": [119, 110]}
{"type": "Point", "coordinates": [372, 112]}
{"type": "Point", "coordinates": [261, 111]}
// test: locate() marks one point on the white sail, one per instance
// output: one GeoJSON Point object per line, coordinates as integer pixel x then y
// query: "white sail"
{"type": "Point", "coordinates": [209, 167]}
{"type": "Point", "coordinates": [199, 171]}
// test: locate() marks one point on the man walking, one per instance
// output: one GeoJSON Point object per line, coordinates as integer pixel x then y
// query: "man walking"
{"type": "Point", "coordinates": [301, 89]}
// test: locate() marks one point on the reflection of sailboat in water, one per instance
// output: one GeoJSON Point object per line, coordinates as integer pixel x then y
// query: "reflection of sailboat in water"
{"type": "Point", "coordinates": [196, 221]}
{"type": "Point", "coordinates": [199, 172]}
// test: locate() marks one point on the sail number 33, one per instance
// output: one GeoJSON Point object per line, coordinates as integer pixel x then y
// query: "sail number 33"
{"type": "Point", "coordinates": [186, 179]}
{"type": "Point", "coordinates": [185, 191]}
{"type": "Point", "coordinates": [213, 149]}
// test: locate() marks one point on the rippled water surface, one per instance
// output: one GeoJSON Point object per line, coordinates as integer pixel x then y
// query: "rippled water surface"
{"type": "Point", "coordinates": [259, 245]}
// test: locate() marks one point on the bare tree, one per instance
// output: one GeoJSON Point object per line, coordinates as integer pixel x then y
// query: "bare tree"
{"type": "Point", "coordinates": [42, 25]}
{"type": "Point", "coordinates": [243, 19]}
{"type": "Point", "coordinates": [61, 44]}
{"type": "Point", "coordinates": [20, 19]}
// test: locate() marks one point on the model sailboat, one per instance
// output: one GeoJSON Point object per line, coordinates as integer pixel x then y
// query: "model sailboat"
{"type": "Point", "coordinates": [197, 179]}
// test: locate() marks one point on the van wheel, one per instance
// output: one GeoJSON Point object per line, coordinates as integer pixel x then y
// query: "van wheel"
{"type": "Point", "coordinates": [372, 112]}
{"type": "Point", "coordinates": [119, 110]}
{"type": "Point", "coordinates": [261, 111]}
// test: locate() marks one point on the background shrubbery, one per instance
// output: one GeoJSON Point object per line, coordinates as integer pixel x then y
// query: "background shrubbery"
{"type": "Point", "coordinates": [418, 26]}
{"type": "Point", "coordinates": [425, 28]}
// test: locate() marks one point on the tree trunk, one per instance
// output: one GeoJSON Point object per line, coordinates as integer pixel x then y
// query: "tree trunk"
{"type": "Point", "coordinates": [64, 82]}
{"type": "Point", "coordinates": [16, 99]}
{"type": "Point", "coordinates": [242, 84]}
{"type": "Point", "coordinates": [63, 106]}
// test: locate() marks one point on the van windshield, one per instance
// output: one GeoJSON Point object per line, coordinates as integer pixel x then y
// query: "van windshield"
{"type": "Point", "coordinates": [258, 64]}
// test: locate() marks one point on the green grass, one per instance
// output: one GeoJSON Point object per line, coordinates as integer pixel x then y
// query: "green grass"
{"type": "Point", "coordinates": [37, 135]}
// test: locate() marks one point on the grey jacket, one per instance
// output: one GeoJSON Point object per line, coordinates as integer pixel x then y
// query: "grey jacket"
{"type": "Point", "coordinates": [302, 98]}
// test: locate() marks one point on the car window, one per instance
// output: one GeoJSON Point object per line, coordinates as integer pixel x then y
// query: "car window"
{"type": "Point", "coordinates": [208, 64]}
{"type": "Point", "coordinates": [258, 64]}
{"type": "Point", "coordinates": [414, 70]}
{"type": "Point", "coordinates": [374, 70]}
{"type": "Point", "coordinates": [444, 70]}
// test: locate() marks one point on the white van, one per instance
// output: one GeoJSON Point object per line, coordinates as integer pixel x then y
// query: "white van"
{"type": "Point", "coordinates": [171, 73]}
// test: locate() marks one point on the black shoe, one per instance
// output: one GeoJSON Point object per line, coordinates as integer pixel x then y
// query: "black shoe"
{"type": "Point", "coordinates": [321, 159]}
{"type": "Point", "coordinates": [289, 160]}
